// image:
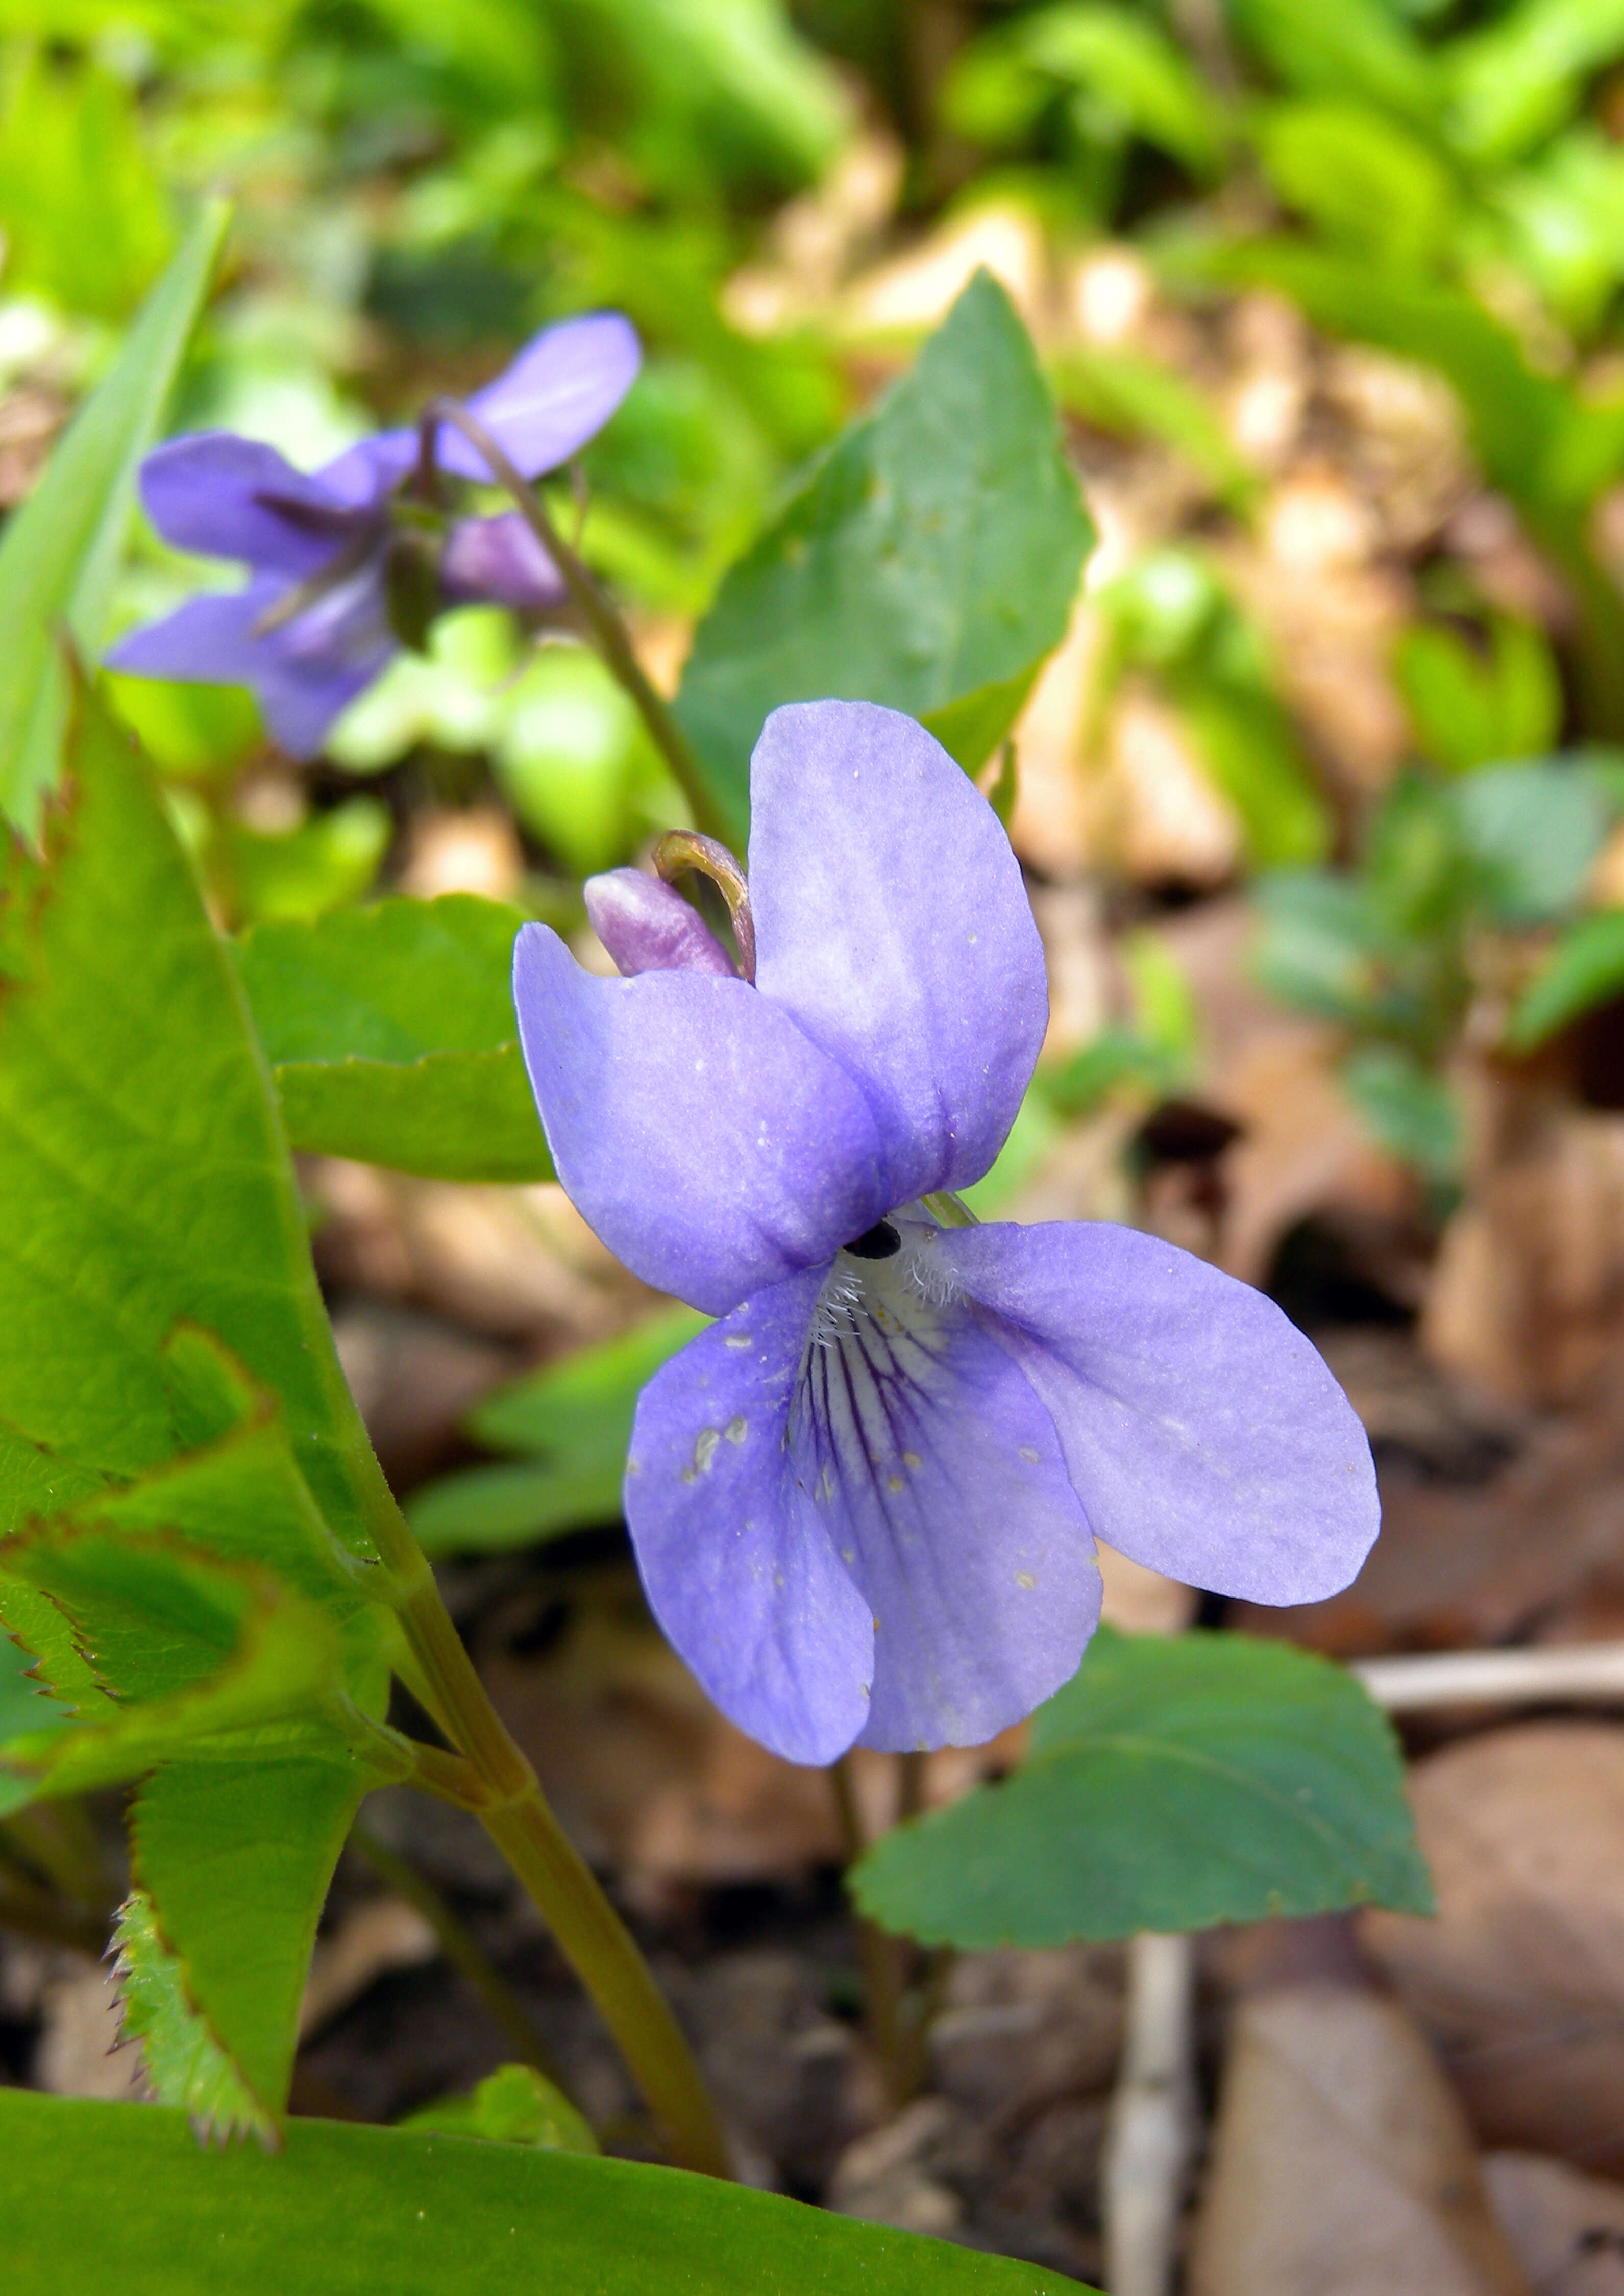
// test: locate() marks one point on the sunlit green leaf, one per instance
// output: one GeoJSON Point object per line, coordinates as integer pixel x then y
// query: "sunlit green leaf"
{"type": "Point", "coordinates": [185, 1648]}
{"type": "Point", "coordinates": [60, 552]}
{"type": "Point", "coordinates": [933, 553]}
{"type": "Point", "coordinates": [392, 1037]}
{"type": "Point", "coordinates": [137, 1125]}
{"type": "Point", "coordinates": [1172, 1784]}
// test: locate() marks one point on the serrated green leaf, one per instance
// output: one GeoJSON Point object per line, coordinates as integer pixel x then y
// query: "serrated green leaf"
{"type": "Point", "coordinates": [1170, 1785]}
{"type": "Point", "coordinates": [33, 1483]}
{"type": "Point", "coordinates": [26, 1703]}
{"type": "Point", "coordinates": [236, 1858]}
{"type": "Point", "coordinates": [1585, 969]}
{"type": "Point", "coordinates": [138, 1127]}
{"type": "Point", "coordinates": [514, 2105]}
{"type": "Point", "coordinates": [185, 2065]}
{"type": "Point", "coordinates": [244, 1499]}
{"type": "Point", "coordinates": [121, 2197]}
{"type": "Point", "coordinates": [933, 553]}
{"type": "Point", "coordinates": [574, 1420]}
{"type": "Point", "coordinates": [61, 551]}
{"type": "Point", "coordinates": [391, 1033]}
{"type": "Point", "coordinates": [187, 1654]}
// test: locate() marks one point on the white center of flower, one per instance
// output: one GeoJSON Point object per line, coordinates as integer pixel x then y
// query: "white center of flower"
{"type": "Point", "coordinates": [891, 1277]}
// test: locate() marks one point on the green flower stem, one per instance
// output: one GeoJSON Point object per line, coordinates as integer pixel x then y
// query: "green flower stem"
{"type": "Point", "coordinates": [898, 2031]}
{"type": "Point", "coordinates": [603, 625]}
{"type": "Point", "coordinates": [509, 1803]}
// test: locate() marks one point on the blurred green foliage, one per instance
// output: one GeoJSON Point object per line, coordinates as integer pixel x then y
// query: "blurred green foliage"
{"type": "Point", "coordinates": [418, 187]}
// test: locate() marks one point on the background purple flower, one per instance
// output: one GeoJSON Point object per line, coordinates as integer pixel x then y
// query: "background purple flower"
{"type": "Point", "coordinates": [865, 1502]}
{"type": "Point", "coordinates": [313, 627]}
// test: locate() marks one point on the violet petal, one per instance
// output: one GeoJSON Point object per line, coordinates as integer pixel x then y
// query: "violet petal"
{"type": "Point", "coordinates": [646, 926]}
{"type": "Point", "coordinates": [711, 1146]}
{"type": "Point", "coordinates": [739, 1570]}
{"type": "Point", "coordinates": [939, 1475]}
{"type": "Point", "coordinates": [891, 922]}
{"type": "Point", "coordinates": [498, 560]}
{"type": "Point", "coordinates": [210, 641]}
{"type": "Point", "coordinates": [1202, 1431]}
{"type": "Point", "coordinates": [200, 493]}
{"type": "Point", "coordinates": [558, 393]}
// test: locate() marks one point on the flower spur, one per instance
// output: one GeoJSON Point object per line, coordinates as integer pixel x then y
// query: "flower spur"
{"type": "Point", "coordinates": [865, 1501]}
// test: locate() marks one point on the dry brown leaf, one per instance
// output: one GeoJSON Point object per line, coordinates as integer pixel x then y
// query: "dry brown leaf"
{"type": "Point", "coordinates": [652, 1779]}
{"type": "Point", "coordinates": [1342, 2165]}
{"type": "Point", "coordinates": [916, 291]}
{"type": "Point", "coordinates": [1528, 1298]}
{"type": "Point", "coordinates": [1054, 825]}
{"type": "Point", "coordinates": [1519, 1979]}
{"type": "Point", "coordinates": [514, 1263]}
{"type": "Point", "coordinates": [1567, 2229]}
{"type": "Point", "coordinates": [79, 2051]}
{"type": "Point", "coordinates": [475, 849]}
{"type": "Point", "coordinates": [374, 1938]}
{"type": "Point", "coordinates": [413, 1378]}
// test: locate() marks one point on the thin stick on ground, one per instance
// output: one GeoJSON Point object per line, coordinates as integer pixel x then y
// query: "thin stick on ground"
{"type": "Point", "coordinates": [1148, 2137]}
{"type": "Point", "coordinates": [1495, 1678]}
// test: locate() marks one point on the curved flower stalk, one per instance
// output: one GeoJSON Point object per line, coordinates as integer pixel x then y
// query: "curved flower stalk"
{"type": "Point", "coordinates": [865, 1501]}
{"type": "Point", "coordinates": [349, 562]}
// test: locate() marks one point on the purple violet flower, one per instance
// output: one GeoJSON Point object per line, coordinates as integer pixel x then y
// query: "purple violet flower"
{"type": "Point", "coordinates": [339, 560]}
{"type": "Point", "coordinates": [865, 1501]}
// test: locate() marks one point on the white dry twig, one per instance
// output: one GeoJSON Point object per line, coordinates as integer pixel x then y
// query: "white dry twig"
{"type": "Point", "coordinates": [1495, 1678]}
{"type": "Point", "coordinates": [1152, 2127]}
{"type": "Point", "coordinates": [1148, 2138]}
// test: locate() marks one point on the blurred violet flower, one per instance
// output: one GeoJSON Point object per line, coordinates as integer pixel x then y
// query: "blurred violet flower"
{"type": "Point", "coordinates": [865, 1501]}
{"type": "Point", "coordinates": [347, 562]}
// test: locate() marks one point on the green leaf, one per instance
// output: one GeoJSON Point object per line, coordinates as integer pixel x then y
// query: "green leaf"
{"type": "Point", "coordinates": [1585, 969]}
{"type": "Point", "coordinates": [1363, 180]}
{"type": "Point", "coordinates": [1408, 1109]}
{"type": "Point", "coordinates": [61, 551]}
{"type": "Point", "coordinates": [33, 1483]}
{"type": "Point", "coordinates": [1513, 80]}
{"type": "Point", "coordinates": [184, 2063]}
{"type": "Point", "coordinates": [1320, 943]}
{"type": "Point", "coordinates": [1360, 48]}
{"type": "Point", "coordinates": [235, 1859]}
{"type": "Point", "coordinates": [1172, 1784]}
{"type": "Point", "coordinates": [391, 1034]}
{"type": "Point", "coordinates": [1133, 75]}
{"type": "Point", "coordinates": [1534, 830]}
{"type": "Point", "coordinates": [137, 1125]}
{"type": "Point", "coordinates": [1468, 707]}
{"type": "Point", "coordinates": [934, 553]}
{"type": "Point", "coordinates": [26, 1702]}
{"type": "Point", "coordinates": [187, 1651]}
{"type": "Point", "coordinates": [1132, 395]}
{"type": "Point", "coordinates": [120, 2196]}
{"type": "Point", "coordinates": [574, 1420]}
{"type": "Point", "coordinates": [514, 2105]}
